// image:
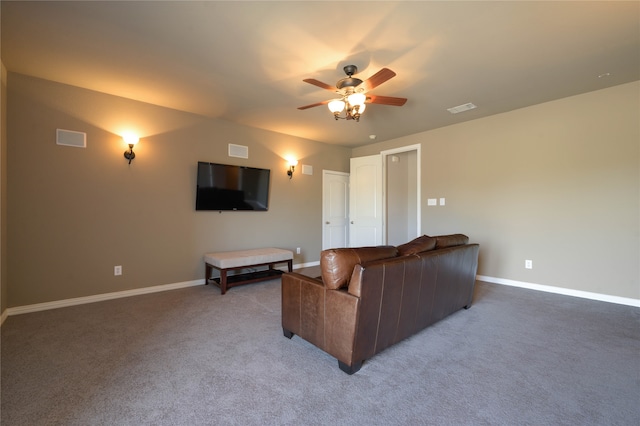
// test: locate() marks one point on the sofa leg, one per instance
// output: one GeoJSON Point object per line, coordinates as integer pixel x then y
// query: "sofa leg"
{"type": "Point", "coordinates": [350, 369]}
{"type": "Point", "coordinates": [287, 333]}
{"type": "Point", "coordinates": [467, 306]}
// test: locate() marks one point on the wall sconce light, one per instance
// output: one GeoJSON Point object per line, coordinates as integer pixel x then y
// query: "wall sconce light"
{"type": "Point", "coordinates": [292, 167]}
{"type": "Point", "coordinates": [131, 140]}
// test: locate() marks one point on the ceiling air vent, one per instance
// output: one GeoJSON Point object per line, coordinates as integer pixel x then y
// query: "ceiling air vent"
{"type": "Point", "coordinates": [461, 108]}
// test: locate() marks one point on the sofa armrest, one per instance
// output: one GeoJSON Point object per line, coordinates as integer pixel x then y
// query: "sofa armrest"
{"type": "Point", "coordinates": [302, 304]}
{"type": "Point", "coordinates": [324, 317]}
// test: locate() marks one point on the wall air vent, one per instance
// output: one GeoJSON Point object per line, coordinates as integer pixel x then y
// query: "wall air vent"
{"type": "Point", "coordinates": [71, 138]}
{"type": "Point", "coordinates": [461, 108]}
{"type": "Point", "coordinates": [239, 151]}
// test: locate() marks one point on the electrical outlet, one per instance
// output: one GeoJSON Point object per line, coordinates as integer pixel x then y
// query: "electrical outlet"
{"type": "Point", "coordinates": [297, 250]}
{"type": "Point", "coordinates": [528, 264]}
{"type": "Point", "coordinates": [117, 270]}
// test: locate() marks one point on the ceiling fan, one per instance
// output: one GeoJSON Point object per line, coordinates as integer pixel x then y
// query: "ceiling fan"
{"type": "Point", "coordinates": [354, 94]}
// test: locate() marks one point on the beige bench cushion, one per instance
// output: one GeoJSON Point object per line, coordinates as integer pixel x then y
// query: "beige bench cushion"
{"type": "Point", "coordinates": [238, 259]}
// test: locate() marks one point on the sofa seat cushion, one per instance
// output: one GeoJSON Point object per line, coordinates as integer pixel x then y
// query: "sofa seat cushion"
{"type": "Point", "coordinates": [444, 241]}
{"type": "Point", "coordinates": [417, 245]}
{"type": "Point", "coordinates": [337, 264]}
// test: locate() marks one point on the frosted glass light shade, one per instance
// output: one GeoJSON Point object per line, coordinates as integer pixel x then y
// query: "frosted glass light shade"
{"type": "Point", "coordinates": [357, 99]}
{"type": "Point", "coordinates": [130, 138]}
{"type": "Point", "coordinates": [336, 105]}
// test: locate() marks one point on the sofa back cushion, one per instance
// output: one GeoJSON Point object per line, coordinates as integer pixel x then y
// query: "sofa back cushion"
{"type": "Point", "coordinates": [337, 264]}
{"type": "Point", "coordinates": [417, 245]}
{"type": "Point", "coordinates": [444, 241]}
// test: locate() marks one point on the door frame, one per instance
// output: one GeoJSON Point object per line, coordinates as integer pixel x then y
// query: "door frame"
{"type": "Point", "coordinates": [384, 154]}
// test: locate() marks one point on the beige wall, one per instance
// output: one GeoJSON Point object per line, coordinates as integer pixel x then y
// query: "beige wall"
{"type": "Point", "coordinates": [557, 183]}
{"type": "Point", "coordinates": [75, 213]}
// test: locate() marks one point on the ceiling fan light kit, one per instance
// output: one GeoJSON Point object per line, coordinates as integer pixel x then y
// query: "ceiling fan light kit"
{"type": "Point", "coordinates": [353, 105]}
{"type": "Point", "coordinates": [352, 93]}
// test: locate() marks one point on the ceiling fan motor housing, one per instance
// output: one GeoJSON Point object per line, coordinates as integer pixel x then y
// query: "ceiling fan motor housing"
{"type": "Point", "coordinates": [349, 82]}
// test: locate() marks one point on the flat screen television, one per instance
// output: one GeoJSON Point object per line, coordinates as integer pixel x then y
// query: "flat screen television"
{"type": "Point", "coordinates": [226, 187]}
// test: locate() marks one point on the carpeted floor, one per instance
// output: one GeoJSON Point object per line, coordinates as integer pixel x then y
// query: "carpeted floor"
{"type": "Point", "coordinates": [194, 357]}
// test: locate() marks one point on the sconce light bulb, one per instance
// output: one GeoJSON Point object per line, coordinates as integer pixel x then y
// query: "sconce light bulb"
{"type": "Point", "coordinates": [130, 138]}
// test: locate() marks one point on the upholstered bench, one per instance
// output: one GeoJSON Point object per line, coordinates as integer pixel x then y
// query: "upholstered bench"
{"type": "Point", "coordinates": [230, 260]}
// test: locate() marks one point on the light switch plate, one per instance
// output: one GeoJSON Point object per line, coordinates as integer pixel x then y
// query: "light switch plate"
{"type": "Point", "coordinates": [432, 202]}
{"type": "Point", "coordinates": [442, 201]}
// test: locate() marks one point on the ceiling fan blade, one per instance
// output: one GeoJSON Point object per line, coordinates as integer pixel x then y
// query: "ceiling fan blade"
{"type": "Point", "coordinates": [320, 84]}
{"type": "Point", "coordinates": [314, 105]}
{"type": "Point", "coordinates": [377, 79]}
{"type": "Point", "coordinates": [386, 100]}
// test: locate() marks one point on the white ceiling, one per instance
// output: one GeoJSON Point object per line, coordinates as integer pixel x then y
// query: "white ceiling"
{"type": "Point", "coordinates": [245, 61]}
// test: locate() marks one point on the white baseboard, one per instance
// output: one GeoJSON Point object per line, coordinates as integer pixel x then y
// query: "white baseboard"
{"type": "Point", "coordinates": [306, 265]}
{"type": "Point", "coordinates": [99, 297]}
{"type": "Point", "coordinates": [108, 296]}
{"type": "Point", "coordinates": [564, 291]}
{"type": "Point", "coordinates": [165, 287]}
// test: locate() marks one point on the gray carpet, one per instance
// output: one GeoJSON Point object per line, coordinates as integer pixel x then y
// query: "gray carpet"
{"type": "Point", "coordinates": [194, 357]}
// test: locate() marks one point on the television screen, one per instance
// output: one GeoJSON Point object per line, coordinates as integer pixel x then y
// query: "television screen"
{"type": "Point", "coordinates": [226, 187]}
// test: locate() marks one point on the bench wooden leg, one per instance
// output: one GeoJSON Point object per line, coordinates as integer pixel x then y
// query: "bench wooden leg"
{"type": "Point", "coordinates": [223, 281]}
{"type": "Point", "coordinates": [207, 273]}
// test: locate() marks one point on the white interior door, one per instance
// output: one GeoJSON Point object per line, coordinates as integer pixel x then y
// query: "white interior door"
{"type": "Point", "coordinates": [365, 202]}
{"type": "Point", "coordinates": [335, 209]}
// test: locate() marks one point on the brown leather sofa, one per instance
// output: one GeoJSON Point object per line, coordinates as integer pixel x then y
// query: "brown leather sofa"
{"type": "Point", "coordinates": [370, 298]}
